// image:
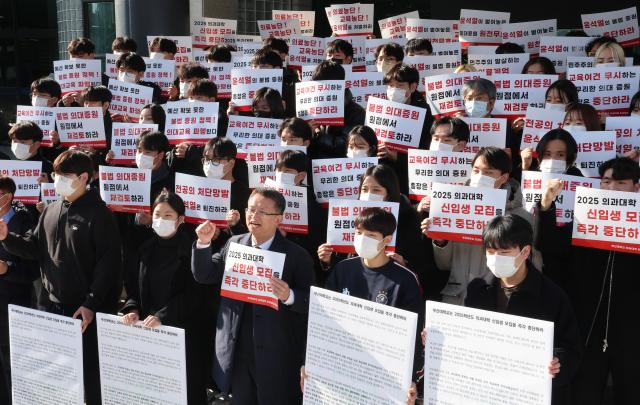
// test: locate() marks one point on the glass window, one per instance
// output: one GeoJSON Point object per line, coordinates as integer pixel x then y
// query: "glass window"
{"type": "Point", "coordinates": [100, 25]}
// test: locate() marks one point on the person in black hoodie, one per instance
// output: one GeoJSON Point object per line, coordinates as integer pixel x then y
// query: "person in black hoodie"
{"type": "Point", "coordinates": [271, 58]}
{"type": "Point", "coordinates": [603, 287]}
{"type": "Point", "coordinates": [77, 246]}
{"type": "Point", "coordinates": [26, 137]}
{"type": "Point", "coordinates": [131, 68]}
{"type": "Point", "coordinates": [165, 293]}
{"type": "Point", "coordinates": [555, 153]}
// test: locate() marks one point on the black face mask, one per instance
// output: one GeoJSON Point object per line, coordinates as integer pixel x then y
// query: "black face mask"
{"type": "Point", "coordinates": [262, 114]}
{"type": "Point", "coordinates": [338, 61]}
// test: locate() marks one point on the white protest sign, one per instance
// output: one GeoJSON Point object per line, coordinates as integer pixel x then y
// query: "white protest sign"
{"type": "Point", "coordinates": [110, 69]}
{"type": "Point", "coordinates": [199, 55]}
{"type": "Point", "coordinates": [128, 99]}
{"type": "Point", "coordinates": [627, 133]}
{"type": "Point", "coordinates": [296, 215]}
{"type": "Point", "coordinates": [364, 85]}
{"type": "Point", "coordinates": [351, 19]}
{"type": "Point", "coordinates": [492, 64]}
{"type": "Point", "coordinates": [77, 75]}
{"type": "Point", "coordinates": [448, 49]}
{"type": "Point", "coordinates": [482, 49]}
{"type": "Point", "coordinates": [444, 92]}
{"type": "Point", "coordinates": [481, 27]}
{"type": "Point", "coordinates": [339, 178]}
{"type": "Point", "coordinates": [249, 49]}
{"type": "Point", "coordinates": [48, 193]}
{"type": "Point", "coordinates": [307, 71]}
{"type": "Point", "coordinates": [81, 126]}
{"type": "Point", "coordinates": [220, 74]}
{"type": "Point", "coordinates": [46, 358]}
{"type": "Point", "coordinates": [184, 46]}
{"type": "Point", "coordinates": [432, 65]}
{"type": "Point", "coordinates": [245, 83]}
{"type": "Point", "coordinates": [130, 355]}
{"type": "Point", "coordinates": [306, 51]}
{"type": "Point", "coordinates": [556, 49]}
{"type": "Point", "coordinates": [460, 213]}
{"type": "Point", "coordinates": [278, 28]}
{"type": "Point", "coordinates": [125, 189]}
{"type": "Point", "coordinates": [261, 162]}
{"type": "Point", "coordinates": [527, 34]}
{"type": "Point", "coordinates": [123, 141]}
{"type": "Point", "coordinates": [161, 72]}
{"type": "Point", "coordinates": [204, 198]}
{"type": "Point", "coordinates": [459, 339]}
{"type": "Point", "coordinates": [594, 148]}
{"type": "Point", "coordinates": [608, 89]}
{"type": "Point", "coordinates": [397, 125]}
{"type": "Point", "coordinates": [581, 62]}
{"type": "Point", "coordinates": [348, 335]}
{"type": "Point", "coordinates": [516, 93]}
{"type": "Point", "coordinates": [621, 25]}
{"type": "Point", "coordinates": [436, 31]}
{"type": "Point", "coordinates": [241, 62]}
{"type": "Point", "coordinates": [25, 173]}
{"type": "Point", "coordinates": [533, 185]}
{"type": "Point", "coordinates": [193, 122]}
{"type": "Point", "coordinates": [247, 271]}
{"type": "Point", "coordinates": [246, 132]}
{"type": "Point", "coordinates": [321, 101]}
{"type": "Point", "coordinates": [538, 122]}
{"type": "Point", "coordinates": [428, 166]}
{"type": "Point", "coordinates": [370, 46]}
{"type": "Point", "coordinates": [206, 31]}
{"type": "Point", "coordinates": [395, 27]}
{"type": "Point", "coordinates": [307, 19]}
{"type": "Point", "coordinates": [485, 132]}
{"type": "Point", "coordinates": [43, 117]}
{"type": "Point", "coordinates": [607, 219]}
{"type": "Point", "coordinates": [341, 223]}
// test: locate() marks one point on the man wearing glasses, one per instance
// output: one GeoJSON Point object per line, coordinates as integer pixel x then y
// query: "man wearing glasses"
{"type": "Point", "coordinates": [259, 350]}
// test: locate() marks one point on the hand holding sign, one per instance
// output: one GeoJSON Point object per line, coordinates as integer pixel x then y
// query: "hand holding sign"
{"type": "Point", "coordinates": [280, 288]}
{"type": "Point", "coordinates": [205, 231]}
{"type": "Point", "coordinates": [554, 188]}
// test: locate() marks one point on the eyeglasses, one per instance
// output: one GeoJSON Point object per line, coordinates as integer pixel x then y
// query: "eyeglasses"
{"type": "Point", "coordinates": [215, 161]}
{"type": "Point", "coordinates": [254, 212]}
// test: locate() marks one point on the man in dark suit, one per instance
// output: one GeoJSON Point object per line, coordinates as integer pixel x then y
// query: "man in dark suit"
{"type": "Point", "coordinates": [259, 351]}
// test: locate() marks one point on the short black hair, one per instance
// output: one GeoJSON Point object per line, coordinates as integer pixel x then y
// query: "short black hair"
{"type": "Point", "coordinates": [133, 61]}
{"type": "Point", "coordinates": [559, 134]}
{"type": "Point", "coordinates": [220, 148]}
{"type": "Point", "coordinates": [375, 219]}
{"type": "Point", "coordinates": [418, 44]}
{"type": "Point", "coordinates": [402, 73]}
{"type": "Point", "coordinates": [47, 86]}
{"type": "Point", "coordinates": [273, 195]}
{"type": "Point", "coordinates": [266, 56]}
{"type": "Point", "coordinates": [565, 87]}
{"type": "Point", "coordinates": [340, 45]}
{"type": "Point", "coordinates": [79, 46]}
{"type": "Point", "coordinates": [154, 141]}
{"type": "Point", "coordinates": [7, 185]}
{"type": "Point", "coordinates": [277, 44]}
{"type": "Point", "coordinates": [458, 128]}
{"type": "Point", "coordinates": [25, 131]}
{"type": "Point", "coordinates": [509, 47]}
{"type": "Point", "coordinates": [496, 158]}
{"type": "Point", "coordinates": [158, 115]}
{"type": "Point", "coordinates": [74, 161]}
{"type": "Point", "coordinates": [192, 70]}
{"type": "Point", "coordinates": [293, 159]}
{"type": "Point", "coordinates": [273, 99]}
{"type": "Point", "coordinates": [386, 176]}
{"type": "Point", "coordinates": [506, 232]}
{"type": "Point", "coordinates": [160, 44]}
{"type": "Point", "coordinates": [547, 65]}
{"type": "Point", "coordinates": [299, 127]}
{"type": "Point", "coordinates": [598, 41]}
{"type": "Point", "coordinates": [390, 49]}
{"type": "Point", "coordinates": [220, 53]}
{"type": "Point", "coordinates": [124, 44]}
{"type": "Point", "coordinates": [98, 93]}
{"type": "Point", "coordinates": [368, 134]}
{"type": "Point", "coordinates": [203, 88]}
{"type": "Point", "coordinates": [328, 70]}
{"type": "Point", "coordinates": [171, 198]}
{"type": "Point", "coordinates": [623, 168]}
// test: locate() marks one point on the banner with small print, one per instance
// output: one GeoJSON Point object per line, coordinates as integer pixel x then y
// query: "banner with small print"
{"type": "Point", "coordinates": [81, 126]}
{"type": "Point", "coordinates": [620, 24]}
{"type": "Point", "coordinates": [608, 89]}
{"type": "Point", "coordinates": [482, 50]}
{"type": "Point", "coordinates": [364, 85]}
{"type": "Point", "coordinates": [220, 74]}
{"type": "Point", "coordinates": [48, 193]}
{"type": "Point", "coordinates": [204, 198]}
{"type": "Point", "coordinates": [397, 125]}
{"type": "Point", "coordinates": [607, 219]}
{"type": "Point", "coordinates": [370, 46]}
{"type": "Point", "coordinates": [537, 123]}
{"type": "Point", "coordinates": [581, 62]}
{"type": "Point", "coordinates": [261, 162]}
{"type": "Point", "coordinates": [193, 122]}
{"type": "Point", "coordinates": [485, 132]}
{"type": "Point", "coordinates": [339, 178]}
{"type": "Point", "coordinates": [533, 185]}
{"type": "Point", "coordinates": [395, 27]}
{"type": "Point", "coordinates": [184, 44]}
{"type": "Point", "coordinates": [77, 75]}
{"type": "Point", "coordinates": [351, 19]}
{"type": "Point", "coordinates": [247, 271]}
{"type": "Point", "coordinates": [110, 69]}
{"type": "Point", "coordinates": [207, 31]}
{"type": "Point", "coordinates": [431, 65]}
{"type": "Point", "coordinates": [44, 117]}
{"type": "Point", "coordinates": [527, 34]}
{"type": "Point", "coordinates": [46, 357]}
{"type": "Point", "coordinates": [123, 141]}
{"type": "Point", "coordinates": [516, 93]}
{"type": "Point", "coordinates": [461, 339]}
{"type": "Point", "coordinates": [25, 173]}
{"type": "Point", "coordinates": [278, 28]}
{"type": "Point", "coordinates": [296, 215]}
{"type": "Point", "coordinates": [307, 19]}
{"type": "Point", "coordinates": [448, 49]}
{"type": "Point", "coordinates": [246, 132]}
{"type": "Point", "coordinates": [627, 133]}
{"type": "Point", "coordinates": [341, 226]}
{"type": "Point", "coordinates": [481, 27]}
{"type": "Point", "coordinates": [436, 31]}
{"type": "Point", "coordinates": [306, 51]}
{"type": "Point", "coordinates": [444, 92]}
{"type": "Point", "coordinates": [128, 99]}
{"type": "Point", "coordinates": [556, 49]}
{"type": "Point", "coordinates": [358, 351]}
{"type": "Point", "coordinates": [161, 72]}
{"type": "Point", "coordinates": [126, 189]}
{"type": "Point", "coordinates": [245, 82]}
{"type": "Point", "coordinates": [492, 65]}
{"type": "Point", "coordinates": [594, 148]}
{"type": "Point", "coordinates": [321, 101]}
{"type": "Point", "coordinates": [429, 166]}
{"type": "Point", "coordinates": [460, 213]}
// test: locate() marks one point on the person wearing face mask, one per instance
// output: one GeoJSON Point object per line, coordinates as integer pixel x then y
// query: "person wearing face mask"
{"type": "Point", "coordinates": [163, 291]}
{"type": "Point", "coordinates": [131, 68]}
{"type": "Point", "coordinates": [162, 48]}
{"type": "Point", "coordinates": [122, 45]}
{"type": "Point", "coordinates": [362, 142]}
{"type": "Point", "coordinates": [153, 114]}
{"type": "Point", "coordinates": [387, 56]}
{"type": "Point", "coordinates": [555, 153]}
{"type": "Point", "coordinates": [295, 131]}
{"type": "Point", "coordinates": [77, 246]}
{"type": "Point", "coordinates": [265, 58]}
{"type": "Point", "coordinates": [580, 117]}
{"type": "Point", "coordinates": [189, 72]}
{"type": "Point", "coordinates": [449, 134]}
{"type": "Point", "coordinates": [340, 52]}
{"type": "Point", "coordinates": [610, 54]}
{"type": "Point", "coordinates": [418, 47]}
{"type": "Point", "coordinates": [490, 168]}
{"type": "Point", "coordinates": [45, 92]}
{"type": "Point", "coordinates": [634, 106]}
{"type": "Point", "coordinates": [26, 137]}
{"type": "Point", "coordinates": [603, 288]}
{"type": "Point", "coordinates": [519, 288]}
{"type": "Point", "coordinates": [560, 94]}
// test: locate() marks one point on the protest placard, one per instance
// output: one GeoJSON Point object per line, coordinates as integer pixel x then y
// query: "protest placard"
{"type": "Point", "coordinates": [261, 162]}
{"type": "Point", "coordinates": [25, 173]}
{"type": "Point", "coordinates": [48, 193]}
{"type": "Point", "coordinates": [481, 27]}
{"type": "Point", "coordinates": [620, 24]}
{"type": "Point", "coordinates": [485, 132]}
{"type": "Point", "coordinates": [77, 74]}
{"type": "Point", "coordinates": [307, 19]}
{"type": "Point", "coordinates": [246, 132]}
{"type": "Point", "coordinates": [448, 49]}
{"type": "Point", "coordinates": [627, 133]}
{"type": "Point", "coordinates": [432, 65]}
{"type": "Point", "coordinates": [581, 62]}
{"type": "Point", "coordinates": [161, 72]}
{"type": "Point", "coordinates": [123, 141]}
{"type": "Point", "coordinates": [245, 82]}
{"type": "Point", "coordinates": [428, 166]}
{"type": "Point", "coordinates": [321, 101]}
{"type": "Point", "coordinates": [556, 49]}
{"type": "Point", "coordinates": [436, 31]}
{"type": "Point", "coordinates": [351, 19]}
{"type": "Point", "coordinates": [44, 117]}
{"type": "Point", "coordinates": [184, 44]}
{"type": "Point", "coordinates": [207, 31]}
{"type": "Point", "coordinates": [594, 148]}
{"type": "Point", "coordinates": [364, 85]}
{"type": "Point", "coordinates": [296, 215]}
{"type": "Point", "coordinates": [359, 45]}
{"type": "Point", "coordinates": [516, 93]}
{"type": "Point", "coordinates": [527, 34]}
{"type": "Point", "coordinates": [608, 89]}
{"type": "Point", "coordinates": [278, 28]}
{"type": "Point", "coordinates": [110, 69]}
{"type": "Point", "coordinates": [81, 126]}
{"type": "Point", "coordinates": [395, 27]}
{"type": "Point", "coordinates": [128, 99]}
{"type": "Point", "coordinates": [125, 189]}
{"type": "Point", "coordinates": [204, 198]}
{"type": "Point", "coordinates": [193, 122]}
{"type": "Point", "coordinates": [537, 123]}
{"type": "Point", "coordinates": [492, 65]}
{"type": "Point", "coordinates": [444, 92]}
{"type": "Point", "coordinates": [339, 178]}
{"type": "Point", "coordinates": [220, 74]}
{"type": "Point", "coordinates": [397, 125]}
{"type": "Point", "coordinates": [306, 51]}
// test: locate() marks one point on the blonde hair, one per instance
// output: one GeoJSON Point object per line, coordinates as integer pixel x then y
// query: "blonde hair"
{"type": "Point", "coordinates": [616, 51]}
{"type": "Point", "coordinates": [465, 68]}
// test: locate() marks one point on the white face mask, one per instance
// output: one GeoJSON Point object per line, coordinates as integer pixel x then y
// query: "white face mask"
{"type": "Point", "coordinates": [502, 266]}
{"type": "Point", "coordinates": [164, 227]}
{"type": "Point", "coordinates": [184, 86]}
{"type": "Point", "coordinates": [146, 122]}
{"type": "Point", "coordinates": [366, 247]}
{"type": "Point", "coordinates": [38, 101]}
{"type": "Point", "coordinates": [143, 161]}
{"type": "Point", "coordinates": [156, 55]}
{"type": "Point", "coordinates": [574, 128]}
{"type": "Point", "coordinates": [286, 178]}
{"type": "Point", "coordinates": [357, 153]}
{"type": "Point", "coordinates": [371, 197]}
{"type": "Point", "coordinates": [608, 64]}
{"type": "Point", "coordinates": [553, 166]}
{"type": "Point", "coordinates": [213, 171]}
{"type": "Point", "coordinates": [476, 108]}
{"type": "Point", "coordinates": [480, 180]}
{"type": "Point", "coordinates": [63, 185]}
{"type": "Point", "coordinates": [396, 94]}
{"type": "Point", "coordinates": [384, 67]}
{"type": "Point", "coordinates": [20, 150]}
{"type": "Point", "coordinates": [127, 77]}
{"type": "Point", "coordinates": [554, 107]}
{"type": "Point", "coordinates": [441, 146]}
